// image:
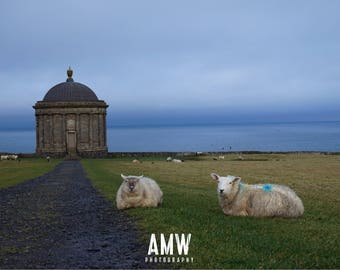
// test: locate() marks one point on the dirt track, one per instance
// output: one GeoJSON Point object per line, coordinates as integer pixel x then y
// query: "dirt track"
{"type": "Point", "coordinates": [60, 221]}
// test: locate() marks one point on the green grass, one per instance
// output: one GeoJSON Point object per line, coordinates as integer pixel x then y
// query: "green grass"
{"type": "Point", "coordinates": [218, 241]}
{"type": "Point", "coordinates": [15, 172]}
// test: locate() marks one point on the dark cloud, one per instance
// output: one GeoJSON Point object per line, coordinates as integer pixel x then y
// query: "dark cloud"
{"type": "Point", "coordinates": [175, 56]}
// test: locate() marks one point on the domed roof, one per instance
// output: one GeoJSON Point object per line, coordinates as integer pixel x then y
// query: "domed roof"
{"type": "Point", "coordinates": [70, 91]}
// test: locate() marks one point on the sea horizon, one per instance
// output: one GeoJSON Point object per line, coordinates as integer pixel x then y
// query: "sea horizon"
{"type": "Point", "coordinates": [317, 136]}
{"type": "Point", "coordinates": [188, 124]}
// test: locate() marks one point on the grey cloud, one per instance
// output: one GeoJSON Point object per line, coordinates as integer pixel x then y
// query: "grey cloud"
{"type": "Point", "coordinates": [261, 56]}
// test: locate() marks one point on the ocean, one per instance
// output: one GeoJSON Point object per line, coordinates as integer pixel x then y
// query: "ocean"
{"type": "Point", "coordinates": [311, 136]}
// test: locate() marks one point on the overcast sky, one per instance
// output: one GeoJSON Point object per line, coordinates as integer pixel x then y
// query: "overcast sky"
{"type": "Point", "coordinates": [250, 60]}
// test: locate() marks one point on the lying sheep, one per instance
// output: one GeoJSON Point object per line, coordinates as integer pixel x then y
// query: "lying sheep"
{"type": "Point", "coordinates": [177, 160]}
{"type": "Point", "coordinates": [138, 191]}
{"type": "Point", "coordinates": [136, 161]}
{"type": "Point", "coordinates": [239, 199]}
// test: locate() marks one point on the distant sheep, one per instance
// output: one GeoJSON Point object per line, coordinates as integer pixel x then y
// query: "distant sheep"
{"type": "Point", "coordinates": [9, 157]}
{"type": "Point", "coordinates": [136, 161]}
{"type": "Point", "coordinates": [138, 191]}
{"type": "Point", "coordinates": [221, 157]}
{"type": "Point", "coordinates": [239, 199]}
{"type": "Point", "coordinates": [169, 159]}
{"type": "Point", "coordinates": [177, 160]}
{"type": "Point", "coordinates": [12, 157]}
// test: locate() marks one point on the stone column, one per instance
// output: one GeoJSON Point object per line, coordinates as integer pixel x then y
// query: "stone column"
{"type": "Point", "coordinates": [63, 131]}
{"type": "Point", "coordinates": [100, 130]}
{"type": "Point", "coordinates": [41, 132]}
{"type": "Point", "coordinates": [78, 127]}
{"type": "Point", "coordinates": [45, 132]}
{"type": "Point", "coordinates": [91, 131]}
{"type": "Point", "coordinates": [52, 145]}
{"type": "Point", "coordinates": [105, 130]}
{"type": "Point", "coordinates": [38, 132]}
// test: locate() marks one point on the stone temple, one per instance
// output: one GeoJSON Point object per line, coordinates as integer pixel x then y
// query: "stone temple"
{"type": "Point", "coordinates": [71, 122]}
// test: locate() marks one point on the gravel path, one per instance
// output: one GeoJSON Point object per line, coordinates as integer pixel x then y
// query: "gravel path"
{"type": "Point", "coordinates": [60, 221]}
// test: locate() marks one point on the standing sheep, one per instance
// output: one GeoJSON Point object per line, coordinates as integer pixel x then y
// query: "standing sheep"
{"type": "Point", "coordinates": [138, 191]}
{"type": "Point", "coordinates": [239, 199]}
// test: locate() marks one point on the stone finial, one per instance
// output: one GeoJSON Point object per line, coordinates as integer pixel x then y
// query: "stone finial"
{"type": "Point", "coordinates": [69, 74]}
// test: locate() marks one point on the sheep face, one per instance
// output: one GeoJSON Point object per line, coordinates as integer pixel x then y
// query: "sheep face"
{"type": "Point", "coordinates": [227, 185]}
{"type": "Point", "coordinates": [131, 183]}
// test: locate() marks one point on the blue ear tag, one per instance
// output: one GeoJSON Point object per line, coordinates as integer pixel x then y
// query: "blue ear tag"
{"type": "Point", "coordinates": [267, 187]}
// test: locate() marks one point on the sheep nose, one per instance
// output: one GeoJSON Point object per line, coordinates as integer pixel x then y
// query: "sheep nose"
{"type": "Point", "coordinates": [221, 190]}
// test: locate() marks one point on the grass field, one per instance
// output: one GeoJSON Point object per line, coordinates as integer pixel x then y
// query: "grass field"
{"type": "Point", "coordinates": [219, 241]}
{"type": "Point", "coordinates": [14, 172]}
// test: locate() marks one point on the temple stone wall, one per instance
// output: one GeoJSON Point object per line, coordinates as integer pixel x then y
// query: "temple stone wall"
{"type": "Point", "coordinates": [62, 125]}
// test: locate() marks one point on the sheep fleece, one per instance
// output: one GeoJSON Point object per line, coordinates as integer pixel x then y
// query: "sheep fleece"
{"type": "Point", "coordinates": [149, 195]}
{"type": "Point", "coordinates": [281, 201]}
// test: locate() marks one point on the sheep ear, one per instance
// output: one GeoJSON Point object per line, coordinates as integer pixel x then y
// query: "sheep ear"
{"type": "Point", "coordinates": [139, 177]}
{"type": "Point", "coordinates": [123, 177]}
{"type": "Point", "coordinates": [215, 176]}
{"type": "Point", "coordinates": [236, 179]}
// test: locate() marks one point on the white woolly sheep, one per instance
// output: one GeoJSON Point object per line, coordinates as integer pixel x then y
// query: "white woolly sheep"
{"type": "Point", "coordinates": [12, 157]}
{"type": "Point", "coordinates": [177, 160]}
{"type": "Point", "coordinates": [260, 200]}
{"type": "Point", "coordinates": [135, 161]}
{"type": "Point", "coordinates": [138, 191]}
{"type": "Point", "coordinates": [221, 157]}
{"type": "Point", "coordinates": [4, 157]}
{"type": "Point", "coordinates": [169, 159]}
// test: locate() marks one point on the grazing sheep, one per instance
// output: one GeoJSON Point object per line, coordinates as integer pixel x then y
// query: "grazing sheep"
{"type": "Point", "coordinates": [48, 158]}
{"type": "Point", "coordinates": [239, 199]}
{"type": "Point", "coordinates": [169, 159]}
{"type": "Point", "coordinates": [4, 157]}
{"type": "Point", "coordinates": [135, 161]}
{"type": "Point", "coordinates": [221, 157]}
{"type": "Point", "coordinates": [215, 158]}
{"type": "Point", "coordinates": [177, 160]}
{"type": "Point", "coordinates": [138, 191]}
{"type": "Point", "coordinates": [12, 157]}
